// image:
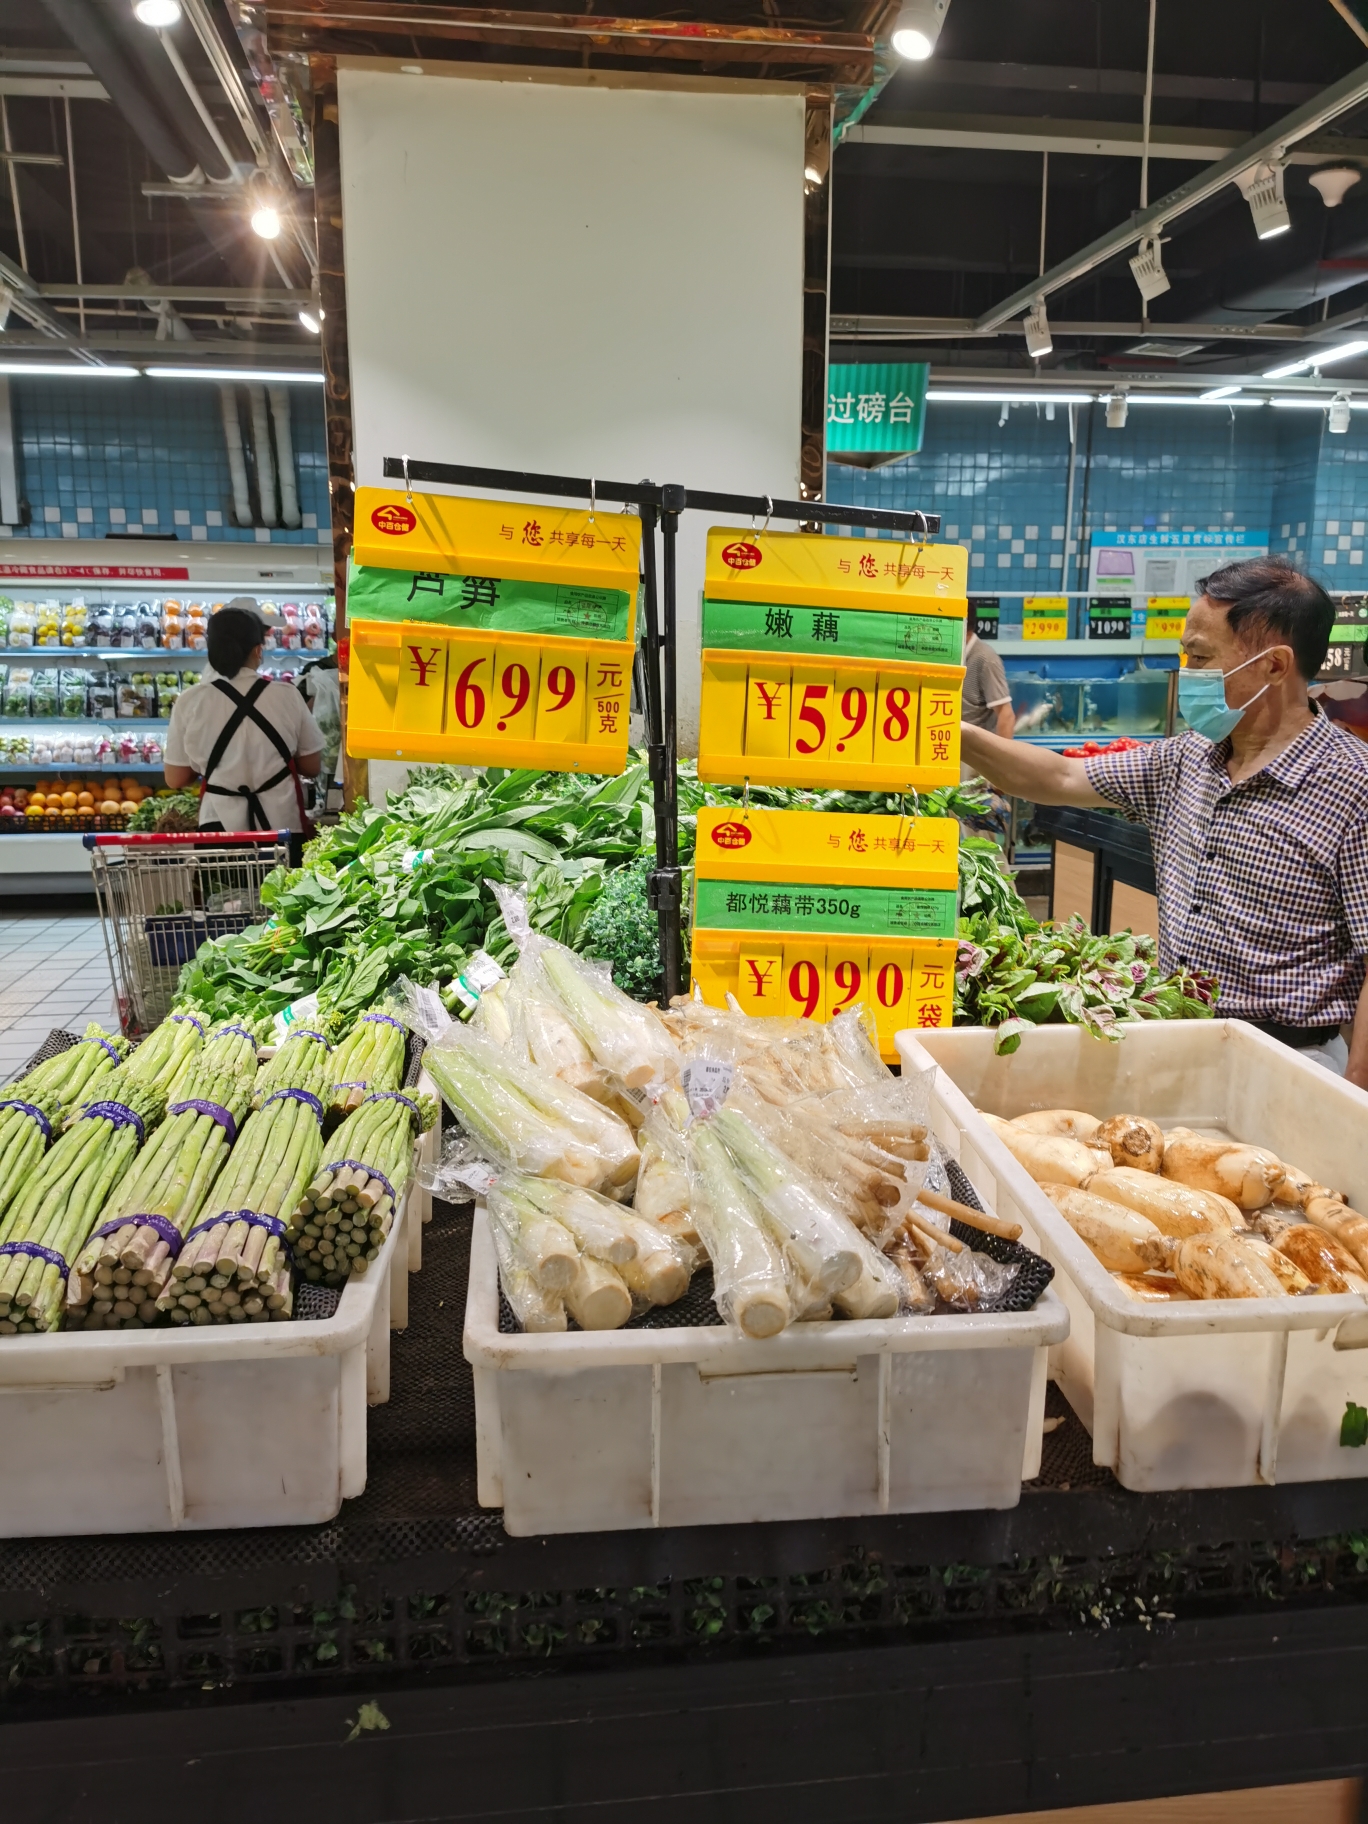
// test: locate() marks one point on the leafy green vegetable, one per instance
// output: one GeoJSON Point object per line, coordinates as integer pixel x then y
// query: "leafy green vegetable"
{"type": "Point", "coordinates": [621, 929]}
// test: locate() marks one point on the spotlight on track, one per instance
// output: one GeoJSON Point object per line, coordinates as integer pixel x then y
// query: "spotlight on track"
{"type": "Point", "coordinates": [1262, 188]}
{"type": "Point", "coordinates": [1147, 268]}
{"type": "Point", "coordinates": [1117, 407]}
{"type": "Point", "coordinates": [918, 27]}
{"type": "Point", "coordinates": [1039, 341]}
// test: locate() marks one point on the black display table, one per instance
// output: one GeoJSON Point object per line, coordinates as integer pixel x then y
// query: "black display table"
{"type": "Point", "coordinates": [1120, 850]}
{"type": "Point", "coordinates": [915, 1668]}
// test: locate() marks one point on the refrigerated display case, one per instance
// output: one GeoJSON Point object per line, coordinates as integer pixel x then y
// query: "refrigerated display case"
{"type": "Point", "coordinates": [1061, 700]}
{"type": "Point", "coordinates": [95, 646]}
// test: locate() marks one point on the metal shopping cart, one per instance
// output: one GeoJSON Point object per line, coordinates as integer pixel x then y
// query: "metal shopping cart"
{"type": "Point", "coordinates": [162, 896]}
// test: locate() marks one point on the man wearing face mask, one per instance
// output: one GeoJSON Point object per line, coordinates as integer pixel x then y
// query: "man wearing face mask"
{"type": "Point", "coordinates": [1258, 816]}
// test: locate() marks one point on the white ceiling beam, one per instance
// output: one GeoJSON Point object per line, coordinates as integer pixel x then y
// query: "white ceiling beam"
{"type": "Point", "coordinates": [1084, 138]}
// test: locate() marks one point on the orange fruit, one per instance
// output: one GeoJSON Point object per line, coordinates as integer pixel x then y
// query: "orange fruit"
{"type": "Point", "coordinates": [69, 801]}
{"type": "Point", "coordinates": [85, 799]}
{"type": "Point", "coordinates": [110, 808]}
{"type": "Point", "coordinates": [128, 807]}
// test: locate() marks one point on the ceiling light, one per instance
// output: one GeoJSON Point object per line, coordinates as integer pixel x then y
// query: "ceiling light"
{"type": "Point", "coordinates": [1333, 182]}
{"type": "Point", "coordinates": [918, 27]}
{"type": "Point", "coordinates": [310, 322]}
{"type": "Point", "coordinates": [1262, 188]}
{"type": "Point", "coordinates": [78, 370]}
{"type": "Point", "coordinates": [1323, 358]}
{"type": "Point", "coordinates": [159, 14]}
{"type": "Point", "coordinates": [1116, 412]}
{"type": "Point", "coordinates": [266, 221]}
{"type": "Point", "coordinates": [1147, 269]}
{"type": "Point", "coordinates": [1340, 410]}
{"type": "Point", "coordinates": [1216, 394]}
{"type": "Point", "coordinates": [286, 377]}
{"type": "Point", "coordinates": [941, 395]}
{"type": "Point", "coordinates": [1309, 402]}
{"type": "Point", "coordinates": [1039, 341]}
{"type": "Point", "coordinates": [1233, 396]}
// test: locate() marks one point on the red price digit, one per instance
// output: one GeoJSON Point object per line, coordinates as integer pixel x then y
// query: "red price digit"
{"type": "Point", "coordinates": [813, 694]}
{"type": "Point", "coordinates": [470, 699]}
{"type": "Point", "coordinates": [516, 685]}
{"type": "Point", "coordinates": [888, 985]}
{"type": "Point", "coordinates": [805, 985]}
{"type": "Point", "coordinates": [896, 726]}
{"type": "Point", "coordinates": [855, 709]}
{"type": "Point", "coordinates": [561, 683]}
{"type": "Point", "coordinates": [847, 977]}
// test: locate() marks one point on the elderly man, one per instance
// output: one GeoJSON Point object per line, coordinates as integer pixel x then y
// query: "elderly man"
{"type": "Point", "coordinates": [1258, 815]}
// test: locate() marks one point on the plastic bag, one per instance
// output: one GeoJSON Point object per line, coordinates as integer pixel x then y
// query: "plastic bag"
{"type": "Point", "coordinates": [750, 1279]}
{"type": "Point", "coordinates": [662, 1187]}
{"type": "Point", "coordinates": [537, 1310]}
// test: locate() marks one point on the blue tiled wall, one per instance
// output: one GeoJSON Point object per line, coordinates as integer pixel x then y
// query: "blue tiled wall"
{"type": "Point", "coordinates": [1002, 486]}
{"type": "Point", "coordinates": [98, 456]}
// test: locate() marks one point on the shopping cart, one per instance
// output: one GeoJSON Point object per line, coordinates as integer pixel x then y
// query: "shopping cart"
{"type": "Point", "coordinates": [162, 896]}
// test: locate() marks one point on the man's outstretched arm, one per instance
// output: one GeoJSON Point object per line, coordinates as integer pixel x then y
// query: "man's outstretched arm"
{"type": "Point", "coordinates": [1024, 771]}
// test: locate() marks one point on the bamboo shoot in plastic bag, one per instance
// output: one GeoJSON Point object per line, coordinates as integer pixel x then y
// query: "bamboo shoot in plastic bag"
{"type": "Point", "coordinates": [750, 1285]}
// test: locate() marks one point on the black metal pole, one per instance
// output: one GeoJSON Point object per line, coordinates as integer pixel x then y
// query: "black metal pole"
{"type": "Point", "coordinates": [666, 855]}
{"type": "Point", "coordinates": [664, 886]}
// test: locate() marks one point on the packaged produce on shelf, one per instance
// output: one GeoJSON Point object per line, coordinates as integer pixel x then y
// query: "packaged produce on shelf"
{"type": "Point", "coordinates": [1176, 1214]}
{"type": "Point", "coordinates": [23, 625]}
{"type": "Point", "coordinates": [19, 690]}
{"type": "Point", "coordinates": [100, 625]}
{"type": "Point", "coordinates": [173, 626]}
{"type": "Point", "coordinates": [314, 634]}
{"type": "Point", "coordinates": [51, 1217]}
{"type": "Point", "coordinates": [48, 625]}
{"type": "Point", "coordinates": [101, 691]}
{"type": "Point", "coordinates": [169, 687]}
{"type": "Point", "coordinates": [127, 1264]}
{"type": "Point", "coordinates": [43, 694]}
{"type": "Point", "coordinates": [196, 627]}
{"type": "Point", "coordinates": [149, 625]}
{"type": "Point", "coordinates": [234, 1266]}
{"type": "Point", "coordinates": [71, 693]}
{"type": "Point", "coordinates": [344, 1213]}
{"type": "Point", "coordinates": [75, 624]}
{"type": "Point", "coordinates": [6, 612]}
{"type": "Point", "coordinates": [123, 630]}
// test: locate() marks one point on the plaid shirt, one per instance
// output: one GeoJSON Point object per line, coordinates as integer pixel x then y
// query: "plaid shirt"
{"type": "Point", "coordinates": [1264, 883]}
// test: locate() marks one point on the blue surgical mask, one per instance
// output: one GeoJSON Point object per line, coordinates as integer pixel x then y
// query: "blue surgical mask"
{"type": "Point", "coordinates": [1202, 700]}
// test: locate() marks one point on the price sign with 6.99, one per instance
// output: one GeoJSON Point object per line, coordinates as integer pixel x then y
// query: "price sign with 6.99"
{"type": "Point", "coordinates": [527, 667]}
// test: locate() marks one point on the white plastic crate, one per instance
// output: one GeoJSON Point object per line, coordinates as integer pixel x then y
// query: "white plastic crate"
{"type": "Point", "coordinates": [605, 1430]}
{"type": "Point", "coordinates": [166, 1430]}
{"type": "Point", "coordinates": [1207, 1394]}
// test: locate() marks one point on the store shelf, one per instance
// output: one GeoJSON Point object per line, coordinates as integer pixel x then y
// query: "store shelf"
{"type": "Point", "coordinates": [1061, 740]}
{"type": "Point", "coordinates": [132, 768]}
{"type": "Point", "coordinates": [1084, 649]}
{"type": "Point", "coordinates": [46, 653]}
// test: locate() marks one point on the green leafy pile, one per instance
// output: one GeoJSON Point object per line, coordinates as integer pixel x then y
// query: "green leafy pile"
{"type": "Point", "coordinates": [175, 811]}
{"type": "Point", "coordinates": [1016, 978]}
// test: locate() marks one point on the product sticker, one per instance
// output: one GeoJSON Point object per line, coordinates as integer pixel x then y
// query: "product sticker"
{"type": "Point", "coordinates": [298, 1013]}
{"type": "Point", "coordinates": [477, 1175]}
{"type": "Point", "coordinates": [706, 1083]}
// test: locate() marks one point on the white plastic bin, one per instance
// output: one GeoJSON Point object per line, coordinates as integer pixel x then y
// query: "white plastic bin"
{"type": "Point", "coordinates": [604, 1430]}
{"type": "Point", "coordinates": [1208, 1394]}
{"type": "Point", "coordinates": [166, 1430]}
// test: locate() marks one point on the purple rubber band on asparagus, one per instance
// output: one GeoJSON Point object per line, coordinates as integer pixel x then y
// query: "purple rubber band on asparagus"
{"type": "Point", "coordinates": [37, 1114]}
{"type": "Point", "coordinates": [359, 1165]}
{"type": "Point", "coordinates": [306, 1032]}
{"type": "Point", "coordinates": [118, 1114]}
{"type": "Point", "coordinates": [168, 1231]}
{"type": "Point", "coordinates": [96, 1040]}
{"type": "Point", "coordinates": [241, 1031]}
{"type": "Point", "coordinates": [385, 1019]}
{"type": "Point", "coordinates": [215, 1111]}
{"type": "Point", "coordinates": [394, 1095]}
{"type": "Point", "coordinates": [36, 1252]}
{"type": "Point", "coordinates": [254, 1219]}
{"type": "Point", "coordinates": [192, 1020]}
{"type": "Point", "coordinates": [295, 1095]}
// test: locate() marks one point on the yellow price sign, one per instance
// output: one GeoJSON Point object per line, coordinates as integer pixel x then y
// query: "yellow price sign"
{"type": "Point", "coordinates": [1166, 616]}
{"type": "Point", "coordinates": [419, 692]}
{"type": "Point", "coordinates": [810, 913]}
{"type": "Point", "coordinates": [1045, 617]}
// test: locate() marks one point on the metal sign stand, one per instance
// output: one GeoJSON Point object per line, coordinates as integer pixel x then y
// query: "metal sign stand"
{"type": "Point", "coordinates": [664, 503]}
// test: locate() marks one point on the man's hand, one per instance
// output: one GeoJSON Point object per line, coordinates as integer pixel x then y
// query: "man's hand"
{"type": "Point", "coordinates": [1024, 771]}
{"type": "Point", "coordinates": [1356, 1070]}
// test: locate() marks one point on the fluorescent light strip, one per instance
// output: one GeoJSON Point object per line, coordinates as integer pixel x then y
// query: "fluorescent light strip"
{"type": "Point", "coordinates": [1321, 359]}
{"type": "Point", "coordinates": [1187, 399]}
{"type": "Point", "coordinates": [289, 377]}
{"type": "Point", "coordinates": [1316, 405]}
{"type": "Point", "coordinates": [49, 370]}
{"type": "Point", "coordinates": [944, 396]}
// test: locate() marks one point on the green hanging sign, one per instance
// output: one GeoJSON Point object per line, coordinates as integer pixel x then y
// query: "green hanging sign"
{"type": "Point", "coordinates": [876, 407]}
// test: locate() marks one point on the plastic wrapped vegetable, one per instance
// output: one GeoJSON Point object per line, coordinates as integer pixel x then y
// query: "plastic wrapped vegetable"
{"type": "Point", "coordinates": [536, 1309]}
{"type": "Point", "coordinates": [824, 1247]}
{"type": "Point", "coordinates": [750, 1284]}
{"type": "Point", "coordinates": [662, 1187]}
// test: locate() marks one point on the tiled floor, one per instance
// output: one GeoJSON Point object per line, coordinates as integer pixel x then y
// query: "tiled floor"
{"type": "Point", "coordinates": [53, 972]}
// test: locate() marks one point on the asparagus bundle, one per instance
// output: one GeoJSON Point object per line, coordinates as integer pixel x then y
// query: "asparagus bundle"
{"type": "Point", "coordinates": [27, 1125]}
{"type": "Point", "coordinates": [304, 1061]}
{"type": "Point", "coordinates": [74, 1073]}
{"type": "Point", "coordinates": [371, 1057]}
{"type": "Point", "coordinates": [167, 1052]}
{"type": "Point", "coordinates": [235, 1264]}
{"type": "Point", "coordinates": [55, 1210]}
{"type": "Point", "coordinates": [230, 1050]}
{"type": "Point", "coordinates": [343, 1217]}
{"type": "Point", "coordinates": [127, 1263]}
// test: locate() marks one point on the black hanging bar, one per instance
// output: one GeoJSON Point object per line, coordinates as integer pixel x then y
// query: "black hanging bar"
{"type": "Point", "coordinates": [754, 506]}
{"type": "Point", "coordinates": [660, 502]}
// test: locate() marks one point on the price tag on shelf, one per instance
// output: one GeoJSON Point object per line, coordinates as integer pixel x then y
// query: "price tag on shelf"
{"type": "Point", "coordinates": [1166, 617]}
{"type": "Point", "coordinates": [831, 661]}
{"type": "Point", "coordinates": [1045, 617]}
{"type": "Point", "coordinates": [511, 646]}
{"type": "Point", "coordinates": [1109, 618]}
{"type": "Point", "coordinates": [809, 913]}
